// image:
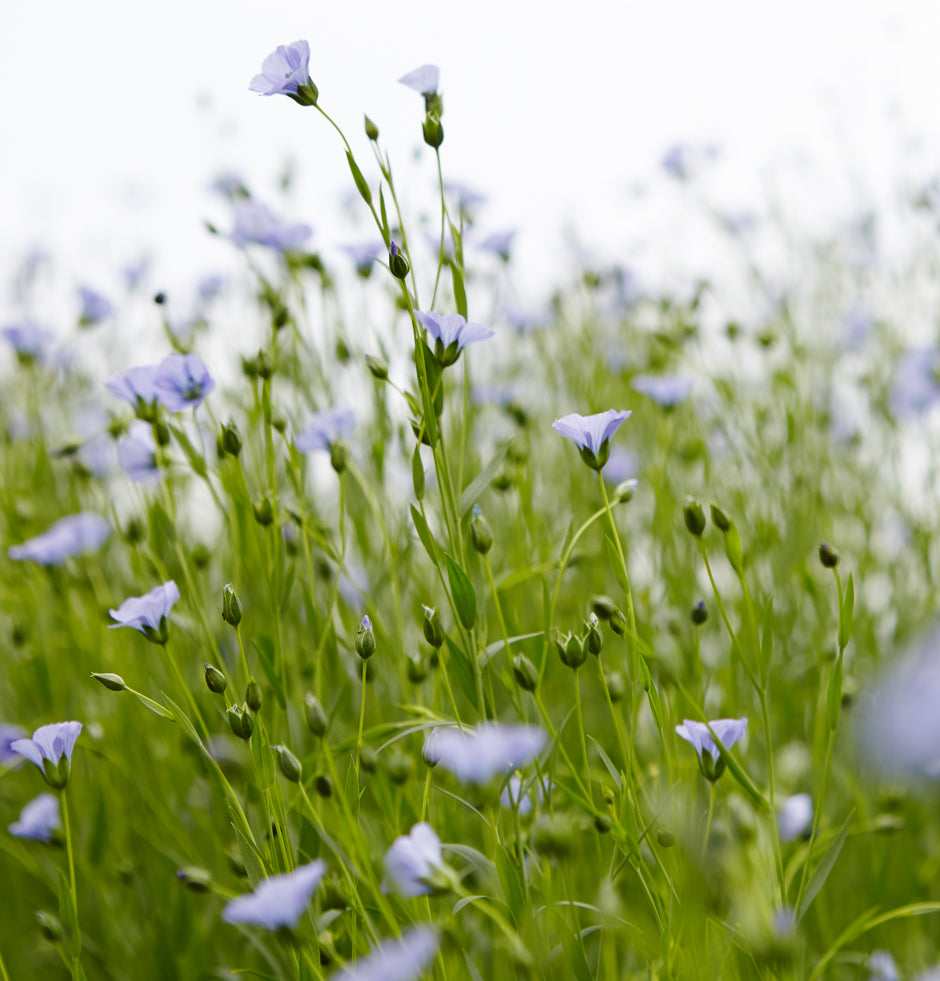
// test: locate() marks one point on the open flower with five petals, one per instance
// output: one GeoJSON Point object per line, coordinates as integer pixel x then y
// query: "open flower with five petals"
{"type": "Point", "coordinates": [451, 333]}
{"type": "Point", "coordinates": [591, 434]}
{"type": "Point", "coordinates": [51, 750]}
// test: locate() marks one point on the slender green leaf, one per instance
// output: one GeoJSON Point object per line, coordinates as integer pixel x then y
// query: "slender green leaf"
{"type": "Point", "coordinates": [465, 599]}
{"type": "Point", "coordinates": [417, 475]}
{"type": "Point", "coordinates": [821, 872]}
{"type": "Point", "coordinates": [424, 533]}
{"type": "Point", "coordinates": [847, 614]}
{"type": "Point", "coordinates": [473, 490]}
{"type": "Point", "coordinates": [463, 671]}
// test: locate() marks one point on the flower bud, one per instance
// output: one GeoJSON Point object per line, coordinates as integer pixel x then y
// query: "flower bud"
{"type": "Point", "coordinates": [339, 455]}
{"type": "Point", "coordinates": [721, 520]}
{"type": "Point", "coordinates": [253, 696]}
{"type": "Point", "coordinates": [603, 607]}
{"type": "Point", "coordinates": [323, 785]}
{"type": "Point", "coordinates": [618, 622]}
{"type": "Point", "coordinates": [49, 926]}
{"type": "Point", "coordinates": [288, 764]}
{"type": "Point", "coordinates": [372, 131]}
{"type": "Point", "coordinates": [523, 670]}
{"type": "Point", "coordinates": [400, 768]}
{"type": "Point", "coordinates": [264, 365]}
{"type": "Point", "coordinates": [240, 721]}
{"type": "Point", "coordinates": [570, 649]}
{"type": "Point", "coordinates": [161, 433]}
{"type": "Point", "coordinates": [194, 878]}
{"type": "Point", "coordinates": [365, 639]}
{"type": "Point", "coordinates": [231, 608]}
{"type": "Point", "coordinates": [617, 686]}
{"type": "Point", "coordinates": [397, 262]}
{"type": "Point", "coordinates": [433, 132]}
{"type": "Point", "coordinates": [694, 516]}
{"type": "Point", "coordinates": [416, 668]}
{"type": "Point", "coordinates": [625, 491]}
{"type": "Point", "coordinates": [215, 680]}
{"type": "Point", "coordinates": [480, 533]}
{"type": "Point", "coordinates": [378, 367]}
{"type": "Point", "coordinates": [230, 440]}
{"type": "Point", "coordinates": [201, 556]}
{"type": "Point", "coordinates": [368, 759]}
{"type": "Point", "coordinates": [828, 555]}
{"type": "Point", "coordinates": [317, 721]}
{"type": "Point", "coordinates": [113, 682]}
{"type": "Point", "coordinates": [699, 612]}
{"type": "Point", "coordinates": [264, 511]}
{"type": "Point", "coordinates": [433, 631]}
{"type": "Point", "coordinates": [603, 823]}
{"type": "Point", "coordinates": [665, 838]}
{"type": "Point", "coordinates": [593, 638]}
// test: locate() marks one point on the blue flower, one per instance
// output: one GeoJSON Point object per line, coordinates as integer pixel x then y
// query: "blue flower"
{"type": "Point", "coordinates": [38, 819]}
{"type": "Point", "coordinates": [182, 381]}
{"type": "Point", "coordinates": [794, 816]}
{"type": "Point", "coordinates": [666, 390]}
{"type": "Point", "coordinates": [396, 960]}
{"type": "Point", "coordinates": [51, 750]}
{"type": "Point", "coordinates": [8, 735]}
{"type": "Point", "coordinates": [424, 80]}
{"type": "Point", "coordinates": [95, 307]}
{"type": "Point", "coordinates": [148, 613]}
{"type": "Point", "coordinates": [324, 429]}
{"type": "Point", "coordinates": [451, 333]}
{"type": "Point", "coordinates": [286, 71]}
{"type": "Point", "coordinates": [67, 537]}
{"type": "Point", "coordinates": [697, 735]}
{"type": "Point", "coordinates": [256, 224]}
{"type": "Point", "coordinates": [591, 434]}
{"type": "Point", "coordinates": [411, 860]}
{"type": "Point", "coordinates": [29, 340]}
{"type": "Point", "coordinates": [137, 453]}
{"type": "Point", "coordinates": [479, 754]}
{"type": "Point", "coordinates": [514, 794]}
{"type": "Point", "coordinates": [499, 243]}
{"type": "Point", "coordinates": [278, 901]}
{"type": "Point", "coordinates": [135, 386]}
{"type": "Point", "coordinates": [916, 382]}
{"type": "Point", "coordinates": [362, 255]}
{"type": "Point", "coordinates": [466, 197]}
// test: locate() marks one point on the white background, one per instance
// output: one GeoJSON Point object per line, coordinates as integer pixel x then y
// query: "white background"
{"type": "Point", "coordinates": [116, 116]}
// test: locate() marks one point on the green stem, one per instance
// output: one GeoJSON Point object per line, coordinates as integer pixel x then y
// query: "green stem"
{"type": "Point", "coordinates": [67, 829]}
{"type": "Point", "coordinates": [362, 715]}
{"type": "Point", "coordinates": [817, 817]}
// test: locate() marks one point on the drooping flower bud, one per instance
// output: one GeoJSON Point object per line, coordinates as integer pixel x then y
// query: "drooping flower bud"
{"type": "Point", "coordinates": [317, 721]}
{"type": "Point", "coordinates": [231, 608]}
{"type": "Point", "coordinates": [253, 696]}
{"type": "Point", "coordinates": [523, 670]}
{"type": "Point", "coordinates": [721, 520]}
{"type": "Point", "coordinates": [618, 622]}
{"type": "Point", "coordinates": [215, 679]}
{"type": "Point", "coordinates": [378, 367]}
{"type": "Point", "coordinates": [195, 879]}
{"type": "Point", "coordinates": [113, 682]}
{"type": "Point", "coordinates": [625, 490]}
{"type": "Point", "coordinates": [288, 764]}
{"type": "Point", "coordinates": [433, 631]}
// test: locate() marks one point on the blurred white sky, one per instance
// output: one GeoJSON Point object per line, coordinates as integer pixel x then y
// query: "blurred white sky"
{"type": "Point", "coordinates": [116, 116]}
